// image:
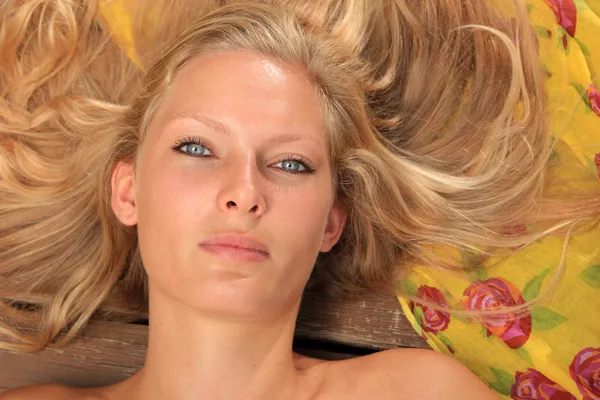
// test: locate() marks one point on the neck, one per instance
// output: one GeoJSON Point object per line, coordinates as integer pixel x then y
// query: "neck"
{"type": "Point", "coordinates": [194, 356]}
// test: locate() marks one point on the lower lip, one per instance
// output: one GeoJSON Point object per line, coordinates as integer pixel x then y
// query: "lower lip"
{"type": "Point", "coordinates": [235, 253]}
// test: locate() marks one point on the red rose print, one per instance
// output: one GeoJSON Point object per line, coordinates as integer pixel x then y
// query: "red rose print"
{"type": "Point", "coordinates": [565, 42]}
{"type": "Point", "coordinates": [494, 294]}
{"type": "Point", "coordinates": [565, 13]}
{"type": "Point", "coordinates": [533, 385]}
{"type": "Point", "coordinates": [594, 98]}
{"type": "Point", "coordinates": [434, 320]}
{"type": "Point", "coordinates": [585, 371]}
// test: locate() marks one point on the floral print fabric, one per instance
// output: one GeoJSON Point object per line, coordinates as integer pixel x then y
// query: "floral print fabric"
{"type": "Point", "coordinates": [552, 351]}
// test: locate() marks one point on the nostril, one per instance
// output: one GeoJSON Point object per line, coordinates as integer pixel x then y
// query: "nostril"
{"type": "Point", "coordinates": [231, 204]}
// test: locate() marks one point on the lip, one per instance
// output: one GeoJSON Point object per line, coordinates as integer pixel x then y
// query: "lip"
{"type": "Point", "coordinates": [236, 247]}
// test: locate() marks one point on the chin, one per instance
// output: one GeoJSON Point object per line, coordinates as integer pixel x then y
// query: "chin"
{"type": "Point", "coordinates": [228, 294]}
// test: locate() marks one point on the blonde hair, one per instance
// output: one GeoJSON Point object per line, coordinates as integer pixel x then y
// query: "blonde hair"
{"type": "Point", "coordinates": [435, 114]}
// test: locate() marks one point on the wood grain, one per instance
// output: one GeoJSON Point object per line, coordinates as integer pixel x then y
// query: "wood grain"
{"type": "Point", "coordinates": [104, 353]}
{"type": "Point", "coordinates": [373, 321]}
{"type": "Point", "coordinates": [107, 352]}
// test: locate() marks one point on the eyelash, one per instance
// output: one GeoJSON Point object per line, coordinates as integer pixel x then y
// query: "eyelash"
{"type": "Point", "coordinates": [309, 169]}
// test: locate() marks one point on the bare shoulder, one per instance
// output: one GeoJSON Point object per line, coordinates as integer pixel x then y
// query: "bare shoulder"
{"type": "Point", "coordinates": [415, 374]}
{"type": "Point", "coordinates": [433, 375]}
{"type": "Point", "coordinates": [49, 392]}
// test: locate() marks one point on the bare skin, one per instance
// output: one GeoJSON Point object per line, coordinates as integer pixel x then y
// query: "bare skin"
{"type": "Point", "coordinates": [221, 327]}
{"type": "Point", "coordinates": [401, 374]}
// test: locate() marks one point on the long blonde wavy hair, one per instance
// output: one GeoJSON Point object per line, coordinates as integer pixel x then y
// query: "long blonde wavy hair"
{"type": "Point", "coordinates": [434, 109]}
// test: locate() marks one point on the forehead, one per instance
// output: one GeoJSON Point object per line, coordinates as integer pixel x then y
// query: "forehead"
{"type": "Point", "coordinates": [243, 89]}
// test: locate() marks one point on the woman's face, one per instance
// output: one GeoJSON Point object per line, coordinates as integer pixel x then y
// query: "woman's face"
{"type": "Point", "coordinates": [237, 147]}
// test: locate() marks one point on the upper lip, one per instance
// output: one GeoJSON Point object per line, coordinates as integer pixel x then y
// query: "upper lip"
{"type": "Point", "coordinates": [236, 240]}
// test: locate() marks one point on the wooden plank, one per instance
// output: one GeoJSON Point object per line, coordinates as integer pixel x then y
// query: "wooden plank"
{"type": "Point", "coordinates": [107, 352]}
{"type": "Point", "coordinates": [103, 354]}
{"type": "Point", "coordinates": [374, 321]}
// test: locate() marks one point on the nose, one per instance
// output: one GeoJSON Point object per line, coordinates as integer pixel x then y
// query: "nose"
{"type": "Point", "coordinates": [240, 193]}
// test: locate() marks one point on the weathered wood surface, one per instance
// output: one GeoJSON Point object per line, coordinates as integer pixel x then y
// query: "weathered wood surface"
{"type": "Point", "coordinates": [107, 352]}
{"type": "Point", "coordinates": [374, 322]}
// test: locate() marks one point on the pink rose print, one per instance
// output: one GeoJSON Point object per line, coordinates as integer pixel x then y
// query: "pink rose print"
{"type": "Point", "coordinates": [494, 294]}
{"type": "Point", "coordinates": [533, 385]}
{"type": "Point", "coordinates": [594, 98]}
{"type": "Point", "coordinates": [565, 13]}
{"type": "Point", "coordinates": [434, 320]}
{"type": "Point", "coordinates": [585, 371]}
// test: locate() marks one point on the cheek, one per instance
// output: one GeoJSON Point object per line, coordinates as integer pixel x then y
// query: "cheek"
{"type": "Point", "coordinates": [301, 219]}
{"type": "Point", "coordinates": [179, 188]}
{"type": "Point", "coordinates": [171, 207]}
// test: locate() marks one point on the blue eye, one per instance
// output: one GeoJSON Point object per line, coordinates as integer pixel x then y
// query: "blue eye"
{"type": "Point", "coordinates": [192, 147]}
{"type": "Point", "coordinates": [195, 149]}
{"type": "Point", "coordinates": [291, 166]}
{"type": "Point", "coordinates": [295, 165]}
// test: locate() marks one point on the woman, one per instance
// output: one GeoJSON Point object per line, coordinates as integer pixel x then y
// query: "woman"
{"type": "Point", "coordinates": [239, 123]}
{"type": "Point", "coordinates": [231, 170]}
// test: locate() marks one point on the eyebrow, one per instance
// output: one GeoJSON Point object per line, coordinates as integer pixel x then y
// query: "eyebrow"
{"type": "Point", "coordinates": [220, 128]}
{"type": "Point", "coordinates": [208, 122]}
